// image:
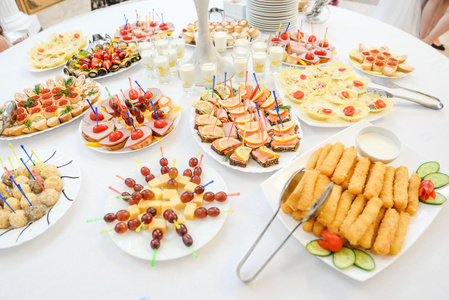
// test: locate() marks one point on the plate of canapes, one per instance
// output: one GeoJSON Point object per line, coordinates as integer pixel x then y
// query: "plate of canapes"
{"type": "Point", "coordinates": [144, 209]}
{"type": "Point", "coordinates": [380, 62]}
{"type": "Point", "coordinates": [48, 106]}
{"type": "Point", "coordinates": [242, 136]}
{"type": "Point", "coordinates": [388, 193]}
{"type": "Point", "coordinates": [129, 121]}
{"type": "Point", "coordinates": [35, 194]}
{"type": "Point", "coordinates": [236, 30]}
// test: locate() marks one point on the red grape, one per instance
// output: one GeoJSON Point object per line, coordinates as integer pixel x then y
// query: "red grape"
{"type": "Point", "coordinates": [172, 217]}
{"type": "Point", "coordinates": [197, 171]}
{"type": "Point", "coordinates": [122, 215]}
{"type": "Point", "coordinates": [201, 212]}
{"type": "Point", "coordinates": [130, 182]}
{"type": "Point", "coordinates": [163, 161]}
{"type": "Point", "coordinates": [152, 210]}
{"type": "Point", "coordinates": [164, 170]}
{"type": "Point", "coordinates": [128, 103]}
{"type": "Point", "coordinates": [208, 196]}
{"type": "Point", "coordinates": [157, 234]}
{"type": "Point", "coordinates": [187, 240]}
{"type": "Point", "coordinates": [137, 196]}
{"type": "Point", "coordinates": [181, 230]}
{"type": "Point", "coordinates": [126, 194]}
{"type": "Point", "coordinates": [196, 179]}
{"type": "Point", "coordinates": [147, 194]}
{"type": "Point", "coordinates": [193, 162]}
{"type": "Point", "coordinates": [186, 197]}
{"type": "Point", "coordinates": [144, 171]}
{"type": "Point", "coordinates": [213, 211]}
{"type": "Point", "coordinates": [167, 212]}
{"type": "Point", "coordinates": [133, 224]}
{"type": "Point", "coordinates": [138, 187]}
{"type": "Point", "coordinates": [172, 184]}
{"type": "Point", "coordinates": [155, 243]}
{"type": "Point", "coordinates": [187, 172]}
{"type": "Point", "coordinates": [147, 218]}
{"type": "Point", "coordinates": [140, 119]}
{"type": "Point", "coordinates": [121, 227]}
{"type": "Point", "coordinates": [221, 196]}
{"type": "Point", "coordinates": [173, 173]}
{"type": "Point", "coordinates": [149, 177]}
{"type": "Point", "coordinates": [109, 217]}
{"type": "Point", "coordinates": [199, 190]}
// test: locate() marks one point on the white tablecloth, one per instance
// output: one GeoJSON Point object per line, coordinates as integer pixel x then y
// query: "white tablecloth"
{"type": "Point", "coordinates": [73, 261]}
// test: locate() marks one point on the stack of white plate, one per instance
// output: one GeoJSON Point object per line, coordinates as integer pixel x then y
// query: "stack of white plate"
{"type": "Point", "coordinates": [268, 14]}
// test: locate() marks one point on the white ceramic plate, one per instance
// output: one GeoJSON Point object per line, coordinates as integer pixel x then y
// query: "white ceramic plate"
{"type": "Point", "coordinates": [104, 150]}
{"type": "Point", "coordinates": [357, 66]}
{"type": "Point", "coordinates": [23, 136]}
{"type": "Point", "coordinates": [253, 167]}
{"type": "Point", "coordinates": [121, 70]}
{"type": "Point", "coordinates": [426, 213]}
{"type": "Point", "coordinates": [172, 247]}
{"type": "Point", "coordinates": [334, 122]}
{"type": "Point", "coordinates": [71, 179]}
{"type": "Point", "coordinates": [303, 67]}
{"type": "Point", "coordinates": [32, 68]}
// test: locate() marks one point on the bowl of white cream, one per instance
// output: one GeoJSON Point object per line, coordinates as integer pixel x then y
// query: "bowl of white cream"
{"type": "Point", "coordinates": [378, 144]}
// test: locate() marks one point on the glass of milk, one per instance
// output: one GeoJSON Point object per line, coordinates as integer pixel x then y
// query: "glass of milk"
{"type": "Point", "coordinates": [186, 68]}
{"type": "Point", "coordinates": [144, 46]}
{"type": "Point", "coordinates": [161, 45]}
{"type": "Point", "coordinates": [240, 59]}
{"type": "Point", "coordinates": [259, 45]}
{"type": "Point", "coordinates": [243, 42]}
{"type": "Point", "coordinates": [180, 46]}
{"type": "Point", "coordinates": [208, 70]}
{"type": "Point", "coordinates": [220, 39]}
{"type": "Point", "coordinates": [148, 61]}
{"type": "Point", "coordinates": [172, 56]}
{"type": "Point", "coordinates": [162, 66]}
{"type": "Point", "coordinates": [259, 63]}
{"type": "Point", "coordinates": [276, 50]}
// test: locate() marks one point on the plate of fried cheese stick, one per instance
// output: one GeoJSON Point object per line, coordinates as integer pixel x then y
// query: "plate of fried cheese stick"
{"type": "Point", "coordinates": [373, 207]}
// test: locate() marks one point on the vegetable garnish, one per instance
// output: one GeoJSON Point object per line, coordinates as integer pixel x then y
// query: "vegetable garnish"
{"type": "Point", "coordinates": [331, 242]}
{"type": "Point", "coordinates": [66, 110]}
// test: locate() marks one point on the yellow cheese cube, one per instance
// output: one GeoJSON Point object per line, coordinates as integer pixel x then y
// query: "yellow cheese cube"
{"type": "Point", "coordinates": [190, 187]}
{"type": "Point", "coordinates": [143, 205]}
{"type": "Point", "coordinates": [166, 205]}
{"type": "Point", "coordinates": [164, 179]}
{"type": "Point", "coordinates": [154, 183]}
{"type": "Point", "coordinates": [198, 200]}
{"type": "Point", "coordinates": [133, 211]}
{"type": "Point", "coordinates": [180, 221]}
{"type": "Point", "coordinates": [167, 194]}
{"type": "Point", "coordinates": [144, 226]}
{"type": "Point", "coordinates": [176, 202]}
{"type": "Point", "coordinates": [156, 205]}
{"type": "Point", "coordinates": [189, 211]}
{"type": "Point", "coordinates": [158, 223]}
{"type": "Point", "coordinates": [157, 193]}
{"type": "Point", "coordinates": [183, 180]}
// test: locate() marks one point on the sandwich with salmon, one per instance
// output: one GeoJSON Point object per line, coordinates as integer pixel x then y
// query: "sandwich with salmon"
{"type": "Point", "coordinates": [265, 157]}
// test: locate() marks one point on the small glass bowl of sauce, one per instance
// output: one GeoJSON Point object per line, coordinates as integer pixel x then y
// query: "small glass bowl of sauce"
{"type": "Point", "coordinates": [378, 144]}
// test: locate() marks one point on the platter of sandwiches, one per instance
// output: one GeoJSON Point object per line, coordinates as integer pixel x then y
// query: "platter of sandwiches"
{"type": "Point", "coordinates": [128, 122]}
{"type": "Point", "coordinates": [140, 31]}
{"type": "Point", "coordinates": [380, 62]}
{"type": "Point", "coordinates": [247, 130]}
{"type": "Point", "coordinates": [45, 107]}
{"type": "Point", "coordinates": [331, 96]}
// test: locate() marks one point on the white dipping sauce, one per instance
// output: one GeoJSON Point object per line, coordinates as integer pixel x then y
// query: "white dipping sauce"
{"type": "Point", "coordinates": [378, 145]}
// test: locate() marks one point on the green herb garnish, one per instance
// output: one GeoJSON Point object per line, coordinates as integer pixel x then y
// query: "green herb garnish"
{"type": "Point", "coordinates": [1, 111]}
{"type": "Point", "coordinates": [68, 82]}
{"type": "Point", "coordinates": [83, 54]}
{"type": "Point", "coordinates": [228, 156]}
{"type": "Point", "coordinates": [66, 110]}
{"type": "Point", "coordinates": [235, 91]}
{"type": "Point", "coordinates": [29, 102]}
{"type": "Point", "coordinates": [65, 92]}
{"type": "Point", "coordinates": [285, 107]}
{"type": "Point", "coordinates": [28, 124]}
{"type": "Point", "coordinates": [37, 89]}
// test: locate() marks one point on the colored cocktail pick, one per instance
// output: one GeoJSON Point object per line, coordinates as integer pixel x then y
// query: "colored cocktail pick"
{"type": "Point", "coordinates": [21, 159]}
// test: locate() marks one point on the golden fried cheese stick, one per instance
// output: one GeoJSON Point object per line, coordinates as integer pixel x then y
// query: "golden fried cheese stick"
{"type": "Point", "coordinates": [375, 180]}
{"type": "Point", "coordinates": [323, 155]}
{"type": "Point", "coordinates": [293, 199]}
{"type": "Point", "coordinates": [330, 163]}
{"type": "Point", "coordinates": [297, 215]}
{"type": "Point", "coordinates": [386, 195]}
{"type": "Point", "coordinates": [368, 238]}
{"type": "Point", "coordinates": [328, 212]}
{"type": "Point", "coordinates": [356, 208]}
{"type": "Point", "coordinates": [344, 204]}
{"type": "Point", "coordinates": [317, 228]}
{"type": "Point", "coordinates": [286, 208]}
{"type": "Point", "coordinates": [413, 198]}
{"type": "Point", "coordinates": [321, 184]}
{"type": "Point", "coordinates": [314, 159]}
{"type": "Point", "coordinates": [344, 165]}
{"type": "Point", "coordinates": [404, 219]}
{"type": "Point", "coordinates": [358, 179]}
{"type": "Point", "coordinates": [345, 182]}
{"type": "Point", "coordinates": [386, 233]}
{"type": "Point", "coordinates": [306, 199]}
{"type": "Point", "coordinates": [400, 195]}
{"type": "Point", "coordinates": [364, 221]}
{"type": "Point", "coordinates": [307, 226]}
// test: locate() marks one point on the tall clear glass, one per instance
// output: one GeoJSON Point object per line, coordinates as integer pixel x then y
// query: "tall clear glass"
{"type": "Point", "coordinates": [220, 39]}
{"type": "Point", "coordinates": [148, 62]}
{"type": "Point", "coordinates": [259, 63]}
{"type": "Point", "coordinates": [186, 68]}
{"type": "Point", "coordinates": [162, 67]}
{"type": "Point", "coordinates": [276, 50]}
{"type": "Point", "coordinates": [208, 70]}
{"type": "Point", "coordinates": [240, 60]}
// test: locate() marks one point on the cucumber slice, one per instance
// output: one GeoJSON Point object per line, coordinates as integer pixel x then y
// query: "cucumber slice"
{"type": "Point", "coordinates": [439, 199]}
{"type": "Point", "coordinates": [316, 249]}
{"type": "Point", "coordinates": [438, 179]}
{"type": "Point", "coordinates": [344, 258]}
{"type": "Point", "coordinates": [427, 168]}
{"type": "Point", "coordinates": [363, 260]}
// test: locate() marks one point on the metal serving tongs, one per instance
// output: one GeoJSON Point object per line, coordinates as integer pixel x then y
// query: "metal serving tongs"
{"type": "Point", "coordinates": [437, 105]}
{"type": "Point", "coordinates": [9, 115]}
{"type": "Point", "coordinates": [286, 191]}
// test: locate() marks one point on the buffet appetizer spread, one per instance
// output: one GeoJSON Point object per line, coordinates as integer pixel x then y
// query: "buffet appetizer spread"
{"type": "Point", "coordinates": [379, 61]}
{"type": "Point", "coordinates": [249, 124]}
{"type": "Point", "coordinates": [304, 49]}
{"type": "Point", "coordinates": [103, 59]}
{"type": "Point", "coordinates": [331, 92]}
{"type": "Point", "coordinates": [369, 206]}
{"type": "Point", "coordinates": [27, 193]}
{"type": "Point", "coordinates": [132, 120]}
{"type": "Point", "coordinates": [236, 30]}
{"type": "Point", "coordinates": [48, 105]}
{"type": "Point", "coordinates": [57, 49]}
{"type": "Point", "coordinates": [144, 31]}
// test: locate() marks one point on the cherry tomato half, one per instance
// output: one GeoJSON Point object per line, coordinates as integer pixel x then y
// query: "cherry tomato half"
{"type": "Point", "coordinates": [327, 110]}
{"type": "Point", "coordinates": [331, 242]}
{"type": "Point", "coordinates": [342, 69]}
{"type": "Point", "coordinates": [380, 103]}
{"type": "Point", "coordinates": [357, 83]}
{"type": "Point", "coordinates": [303, 77]}
{"type": "Point", "coordinates": [298, 95]}
{"type": "Point", "coordinates": [349, 111]}
{"type": "Point", "coordinates": [76, 35]}
{"type": "Point", "coordinates": [345, 94]}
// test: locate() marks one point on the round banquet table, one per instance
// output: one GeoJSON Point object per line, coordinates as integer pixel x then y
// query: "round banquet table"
{"type": "Point", "coordinates": [73, 261]}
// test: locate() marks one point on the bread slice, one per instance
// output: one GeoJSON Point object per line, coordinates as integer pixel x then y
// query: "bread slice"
{"type": "Point", "coordinates": [271, 162]}
{"type": "Point", "coordinates": [292, 148]}
{"type": "Point", "coordinates": [238, 163]}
